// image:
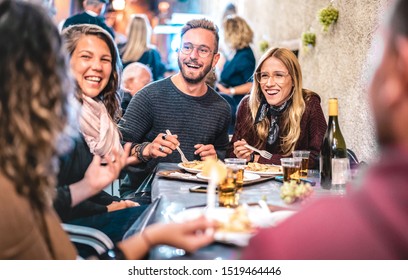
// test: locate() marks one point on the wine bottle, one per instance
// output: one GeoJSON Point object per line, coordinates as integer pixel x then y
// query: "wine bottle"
{"type": "Point", "coordinates": [333, 151]}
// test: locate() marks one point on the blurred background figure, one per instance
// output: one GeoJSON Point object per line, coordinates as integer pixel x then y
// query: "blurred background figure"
{"type": "Point", "coordinates": [138, 47]}
{"type": "Point", "coordinates": [230, 9]}
{"type": "Point", "coordinates": [235, 78]}
{"type": "Point", "coordinates": [134, 77]}
{"type": "Point", "coordinates": [92, 14]}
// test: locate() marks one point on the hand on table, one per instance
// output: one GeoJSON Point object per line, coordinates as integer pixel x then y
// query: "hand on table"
{"type": "Point", "coordinates": [205, 151]}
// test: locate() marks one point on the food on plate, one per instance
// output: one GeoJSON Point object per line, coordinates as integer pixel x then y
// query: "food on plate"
{"type": "Point", "coordinates": [238, 221]}
{"type": "Point", "coordinates": [259, 167]}
{"type": "Point", "coordinates": [292, 192]}
{"type": "Point", "coordinates": [195, 164]}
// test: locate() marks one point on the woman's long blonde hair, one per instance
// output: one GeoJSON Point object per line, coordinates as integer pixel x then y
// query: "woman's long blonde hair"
{"type": "Point", "coordinates": [290, 125]}
{"type": "Point", "coordinates": [138, 34]}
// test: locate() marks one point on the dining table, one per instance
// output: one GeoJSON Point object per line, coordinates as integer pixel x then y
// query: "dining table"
{"type": "Point", "coordinates": [172, 195]}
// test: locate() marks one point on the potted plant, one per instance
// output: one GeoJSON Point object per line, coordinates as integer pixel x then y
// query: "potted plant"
{"type": "Point", "coordinates": [263, 46]}
{"type": "Point", "coordinates": [308, 40]}
{"type": "Point", "coordinates": [327, 16]}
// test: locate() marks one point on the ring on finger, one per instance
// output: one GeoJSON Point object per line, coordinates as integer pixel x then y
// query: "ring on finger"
{"type": "Point", "coordinates": [161, 148]}
{"type": "Point", "coordinates": [164, 136]}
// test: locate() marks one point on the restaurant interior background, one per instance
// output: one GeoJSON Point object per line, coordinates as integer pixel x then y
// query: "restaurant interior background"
{"type": "Point", "coordinates": [339, 65]}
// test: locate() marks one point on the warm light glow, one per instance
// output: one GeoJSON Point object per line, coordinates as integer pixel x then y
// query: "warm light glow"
{"type": "Point", "coordinates": [118, 5]}
{"type": "Point", "coordinates": [164, 7]}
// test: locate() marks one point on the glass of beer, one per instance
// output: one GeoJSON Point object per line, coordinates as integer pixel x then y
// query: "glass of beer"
{"type": "Point", "coordinates": [291, 169]}
{"type": "Point", "coordinates": [304, 156]}
{"type": "Point", "coordinates": [237, 164]}
{"type": "Point", "coordinates": [228, 195]}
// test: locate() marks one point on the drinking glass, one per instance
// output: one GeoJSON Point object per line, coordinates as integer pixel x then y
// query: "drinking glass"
{"type": "Point", "coordinates": [304, 166]}
{"type": "Point", "coordinates": [291, 169]}
{"type": "Point", "coordinates": [238, 164]}
{"type": "Point", "coordinates": [228, 190]}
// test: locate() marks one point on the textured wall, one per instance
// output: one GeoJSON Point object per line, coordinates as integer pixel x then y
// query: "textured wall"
{"type": "Point", "coordinates": [337, 67]}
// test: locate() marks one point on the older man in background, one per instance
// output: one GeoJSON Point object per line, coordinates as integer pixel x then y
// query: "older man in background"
{"type": "Point", "coordinates": [93, 14]}
{"type": "Point", "coordinates": [134, 77]}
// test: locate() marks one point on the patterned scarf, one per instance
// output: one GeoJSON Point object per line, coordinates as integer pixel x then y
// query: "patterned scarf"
{"type": "Point", "coordinates": [100, 132]}
{"type": "Point", "coordinates": [274, 112]}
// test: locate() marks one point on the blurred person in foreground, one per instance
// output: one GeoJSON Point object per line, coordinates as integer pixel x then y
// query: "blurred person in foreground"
{"type": "Point", "coordinates": [372, 221]}
{"type": "Point", "coordinates": [92, 14]}
{"type": "Point", "coordinates": [279, 115]}
{"type": "Point", "coordinates": [29, 226]}
{"type": "Point", "coordinates": [196, 115]}
{"type": "Point", "coordinates": [134, 77]}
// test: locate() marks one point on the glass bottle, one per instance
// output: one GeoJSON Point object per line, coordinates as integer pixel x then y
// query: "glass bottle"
{"type": "Point", "coordinates": [334, 165]}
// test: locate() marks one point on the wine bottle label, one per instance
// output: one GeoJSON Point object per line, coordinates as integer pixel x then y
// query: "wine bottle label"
{"type": "Point", "coordinates": [340, 171]}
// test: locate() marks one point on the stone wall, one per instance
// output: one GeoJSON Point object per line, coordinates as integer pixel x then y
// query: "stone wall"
{"type": "Point", "coordinates": [337, 67]}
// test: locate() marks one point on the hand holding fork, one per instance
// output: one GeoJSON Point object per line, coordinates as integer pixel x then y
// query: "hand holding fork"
{"type": "Point", "coordinates": [262, 153]}
{"type": "Point", "coordinates": [183, 157]}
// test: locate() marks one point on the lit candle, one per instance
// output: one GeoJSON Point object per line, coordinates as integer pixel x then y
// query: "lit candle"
{"type": "Point", "coordinates": [212, 185]}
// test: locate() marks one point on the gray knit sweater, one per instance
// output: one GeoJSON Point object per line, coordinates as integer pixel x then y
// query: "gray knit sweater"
{"type": "Point", "coordinates": [196, 120]}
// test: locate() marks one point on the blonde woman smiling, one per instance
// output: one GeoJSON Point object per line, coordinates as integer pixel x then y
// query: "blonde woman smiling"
{"type": "Point", "coordinates": [278, 115]}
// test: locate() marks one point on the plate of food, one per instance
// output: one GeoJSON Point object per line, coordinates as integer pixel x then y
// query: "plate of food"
{"type": "Point", "coordinates": [248, 177]}
{"type": "Point", "coordinates": [263, 169]}
{"type": "Point", "coordinates": [195, 166]}
{"type": "Point", "coordinates": [234, 225]}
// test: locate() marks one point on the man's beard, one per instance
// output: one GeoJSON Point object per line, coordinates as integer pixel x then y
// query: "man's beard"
{"type": "Point", "coordinates": [198, 79]}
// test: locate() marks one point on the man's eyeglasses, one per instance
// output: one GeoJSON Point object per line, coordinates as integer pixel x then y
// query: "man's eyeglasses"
{"type": "Point", "coordinates": [278, 77]}
{"type": "Point", "coordinates": [203, 51]}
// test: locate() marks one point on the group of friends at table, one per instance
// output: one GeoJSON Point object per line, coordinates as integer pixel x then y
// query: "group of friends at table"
{"type": "Point", "coordinates": [61, 125]}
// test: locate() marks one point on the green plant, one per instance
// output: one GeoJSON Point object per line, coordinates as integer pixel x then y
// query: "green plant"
{"type": "Point", "coordinates": [327, 16]}
{"type": "Point", "coordinates": [308, 38]}
{"type": "Point", "coordinates": [263, 45]}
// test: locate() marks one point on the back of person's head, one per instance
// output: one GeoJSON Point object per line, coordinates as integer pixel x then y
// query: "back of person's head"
{"type": "Point", "coordinates": [94, 3]}
{"type": "Point", "coordinates": [109, 94]}
{"type": "Point", "coordinates": [399, 19]}
{"type": "Point", "coordinates": [230, 9]}
{"type": "Point", "coordinates": [135, 76]}
{"type": "Point", "coordinates": [237, 33]}
{"type": "Point", "coordinates": [204, 24]}
{"type": "Point", "coordinates": [138, 37]}
{"type": "Point", "coordinates": [97, 6]}
{"type": "Point", "coordinates": [35, 99]}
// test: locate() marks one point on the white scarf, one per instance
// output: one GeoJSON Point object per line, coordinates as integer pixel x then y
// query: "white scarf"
{"type": "Point", "coordinates": [100, 132]}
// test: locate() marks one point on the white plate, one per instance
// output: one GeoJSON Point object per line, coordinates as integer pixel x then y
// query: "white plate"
{"type": "Point", "coordinates": [191, 170]}
{"type": "Point", "coordinates": [248, 177]}
{"type": "Point", "coordinates": [258, 217]}
{"type": "Point", "coordinates": [265, 174]}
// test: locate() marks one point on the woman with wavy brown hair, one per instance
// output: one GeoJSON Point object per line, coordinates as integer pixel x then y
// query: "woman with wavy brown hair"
{"type": "Point", "coordinates": [279, 115]}
{"type": "Point", "coordinates": [37, 108]}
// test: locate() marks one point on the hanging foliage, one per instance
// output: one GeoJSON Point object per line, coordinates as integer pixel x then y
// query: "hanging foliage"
{"type": "Point", "coordinates": [327, 16]}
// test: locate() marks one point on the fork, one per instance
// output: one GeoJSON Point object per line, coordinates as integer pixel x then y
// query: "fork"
{"type": "Point", "coordinates": [183, 157]}
{"type": "Point", "coordinates": [263, 153]}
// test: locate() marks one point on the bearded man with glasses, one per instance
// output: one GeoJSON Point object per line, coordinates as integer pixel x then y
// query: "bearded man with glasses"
{"type": "Point", "coordinates": [196, 115]}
